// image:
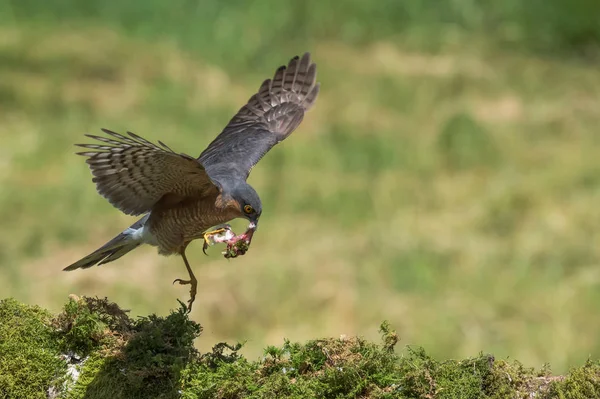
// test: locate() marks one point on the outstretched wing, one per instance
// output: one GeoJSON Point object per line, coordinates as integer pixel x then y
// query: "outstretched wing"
{"type": "Point", "coordinates": [270, 115]}
{"type": "Point", "coordinates": [133, 174]}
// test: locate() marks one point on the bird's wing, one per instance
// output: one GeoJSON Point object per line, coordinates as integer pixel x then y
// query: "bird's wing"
{"type": "Point", "coordinates": [270, 115]}
{"type": "Point", "coordinates": [134, 174]}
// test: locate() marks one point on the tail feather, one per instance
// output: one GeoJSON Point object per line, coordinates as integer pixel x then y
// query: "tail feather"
{"type": "Point", "coordinates": [125, 242]}
{"type": "Point", "coordinates": [112, 250]}
{"type": "Point", "coordinates": [120, 252]}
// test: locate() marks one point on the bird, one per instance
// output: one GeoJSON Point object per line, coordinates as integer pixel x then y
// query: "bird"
{"type": "Point", "coordinates": [181, 197]}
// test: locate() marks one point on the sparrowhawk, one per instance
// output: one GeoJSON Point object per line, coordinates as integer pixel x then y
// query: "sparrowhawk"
{"type": "Point", "coordinates": [182, 197]}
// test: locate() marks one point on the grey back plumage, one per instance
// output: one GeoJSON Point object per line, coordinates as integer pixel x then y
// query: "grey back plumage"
{"type": "Point", "coordinates": [270, 116]}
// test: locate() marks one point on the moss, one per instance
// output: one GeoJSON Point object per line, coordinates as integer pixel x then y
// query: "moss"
{"type": "Point", "coordinates": [159, 350]}
{"type": "Point", "coordinates": [80, 328]}
{"type": "Point", "coordinates": [227, 380]}
{"type": "Point", "coordinates": [96, 380]}
{"type": "Point", "coordinates": [132, 359]}
{"type": "Point", "coordinates": [154, 357]}
{"type": "Point", "coordinates": [325, 368]}
{"type": "Point", "coordinates": [29, 356]}
{"type": "Point", "coordinates": [583, 382]}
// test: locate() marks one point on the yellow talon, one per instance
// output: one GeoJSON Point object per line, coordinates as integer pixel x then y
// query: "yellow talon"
{"type": "Point", "coordinates": [209, 237]}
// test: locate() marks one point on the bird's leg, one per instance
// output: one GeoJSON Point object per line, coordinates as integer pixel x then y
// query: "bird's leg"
{"type": "Point", "coordinates": [192, 281]}
{"type": "Point", "coordinates": [220, 233]}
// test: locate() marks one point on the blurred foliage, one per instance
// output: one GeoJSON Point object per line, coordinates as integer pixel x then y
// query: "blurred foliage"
{"type": "Point", "coordinates": [566, 26]}
{"type": "Point", "coordinates": [447, 179]}
{"type": "Point", "coordinates": [466, 144]}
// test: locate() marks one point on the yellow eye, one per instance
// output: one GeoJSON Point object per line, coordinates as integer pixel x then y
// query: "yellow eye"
{"type": "Point", "coordinates": [248, 209]}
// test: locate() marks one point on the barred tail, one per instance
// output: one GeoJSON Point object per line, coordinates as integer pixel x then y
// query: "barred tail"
{"type": "Point", "coordinates": [125, 242]}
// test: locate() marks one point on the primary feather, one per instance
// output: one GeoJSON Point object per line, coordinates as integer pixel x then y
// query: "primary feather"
{"type": "Point", "coordinates": [270, 116]}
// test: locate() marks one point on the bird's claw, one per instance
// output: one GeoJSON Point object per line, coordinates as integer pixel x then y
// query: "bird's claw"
{"type": "Point", "coordinates": [236, 245]}
{"type": "Point", "coordinates": [222, 233]}
{"type": "Point", "coordinates": [193, 290]}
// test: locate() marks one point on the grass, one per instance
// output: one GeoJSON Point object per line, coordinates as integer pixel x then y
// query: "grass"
{"type": "Point", "coordinates": [154, 357]}
{"type": "Point", "coordinates": [259, 31]}
{"type": "Point", "coordinates": [451, 189]}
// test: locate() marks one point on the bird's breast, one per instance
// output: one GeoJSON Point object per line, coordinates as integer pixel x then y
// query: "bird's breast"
{"type": "Point", "coordinates": [176, 226]}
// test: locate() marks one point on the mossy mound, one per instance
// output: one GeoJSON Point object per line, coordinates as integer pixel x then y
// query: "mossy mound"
{"type": "Point", "coordinates": [124, 358]}
{"type": "Point", "coordinates": [94, 350]}
{"type": "Point", "coordinates": [29, 354]}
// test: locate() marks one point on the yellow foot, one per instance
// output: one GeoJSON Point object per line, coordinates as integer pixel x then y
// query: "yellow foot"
{"type": "Point", "coordinates": [193, 290]}
{"type": "Point", "coordinates": [220, 234]}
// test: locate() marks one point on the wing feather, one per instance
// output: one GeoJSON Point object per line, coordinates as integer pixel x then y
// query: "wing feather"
{"type": "Point", "coordinates": [270, 116]}
{"type": "Point", "coordinates": [133, 174]}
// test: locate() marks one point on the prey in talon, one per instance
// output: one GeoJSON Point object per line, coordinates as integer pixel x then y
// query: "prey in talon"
{"type": "Point", "coordinates": [179, 197]}
{"type": "Point", "coordinates": [218, 235]}
{"type": "Point", "coordinates": [236, 244]}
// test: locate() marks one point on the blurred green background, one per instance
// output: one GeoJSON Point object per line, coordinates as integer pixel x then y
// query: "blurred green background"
{"type": "Point", "coordinates": [447, 180]}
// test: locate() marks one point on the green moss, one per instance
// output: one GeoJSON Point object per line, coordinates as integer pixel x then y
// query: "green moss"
{"type": "Point", "coordinates": [158, 351]}
{"type": "Point", "coordinates": [78, 328]}
{"type": "Point", "coordinates": [324, 368]}
{"type": "Point", "coordinates": [154, 357]}
{"type": "Point", "coordinates": [96, 380]}
{"type": "Point", "coordinates": [130, 359]}
{"type": "Point", "coordinates": [29, 356]}
{"type": "Point", "coordinates": [583, 382]}
{"type": "Point", "coordinates": [227, 380]}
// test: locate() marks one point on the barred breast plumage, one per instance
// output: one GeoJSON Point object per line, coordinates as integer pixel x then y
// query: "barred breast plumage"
{"type": "Point", "coordinates": [175, 226]}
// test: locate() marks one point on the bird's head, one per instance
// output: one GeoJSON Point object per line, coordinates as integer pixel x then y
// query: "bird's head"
{"type": "Point", "coordinates": [248, 202]}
